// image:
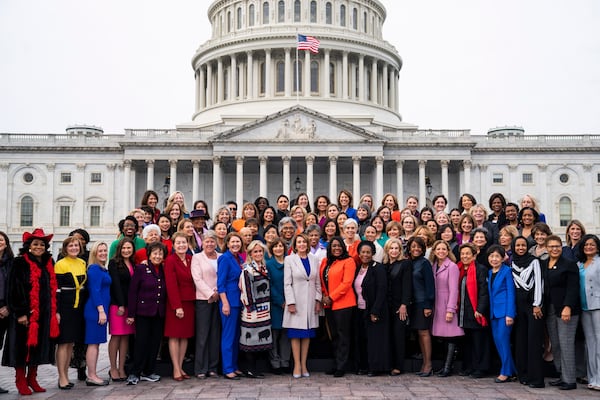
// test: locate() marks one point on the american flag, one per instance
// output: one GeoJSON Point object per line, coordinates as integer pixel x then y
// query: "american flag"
{"type": "Point", "coordinates": [308, 43]}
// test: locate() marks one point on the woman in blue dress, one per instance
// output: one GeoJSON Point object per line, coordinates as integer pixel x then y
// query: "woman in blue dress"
{"type": "Point", "coordinates": [96, 309]}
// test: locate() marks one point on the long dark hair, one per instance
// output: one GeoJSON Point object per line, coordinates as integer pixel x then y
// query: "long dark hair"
{"type": "Point", "coordinates": [8, 252]}
{"type": "Point", "coordinates": [582, 257]}
{"type": "Point", "coordinates": [119, 260]}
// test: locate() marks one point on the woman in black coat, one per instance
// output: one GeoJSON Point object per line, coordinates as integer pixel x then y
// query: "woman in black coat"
{"type": "Point", "coordinates": [473, 312]}
{"type": "Point", "coordinates": [32, 306]}
{"type": "Point", "coordinates": [563, 306]}
{"type": "Point", "coordinates": [371, 287]}
{"type": "Point", "coordinates": [399, 274]}
{"type": "Point", "coordinates": [6, 260]}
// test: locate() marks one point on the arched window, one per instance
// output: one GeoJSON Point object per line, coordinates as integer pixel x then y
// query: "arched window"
{"type": "Point", "coordinates": [342, 15]}
{"type": "Point", "coordinates": [565, 210]}
{"type": "Point", "coordinates": [239, 18]}
{"type": "Point", "coordinates": [297, 10]}
{"type": "Point", "coordinates": [328, 16]}
{"type": "Point", "coordinates": [228, 21]}
{"type": "Point", "coordinates": [27, 211]}
{"type": "Point", "coordinates": [262, 74]}
{"type": "Point", "coordinates": [251, 12]}
{"type": "Point", "coordinates": [332, 78]}
{"type": "Point", "coordinates": [314, 77]}
{"type": "Point", "coordinates": [280, 77]}
{"type": "Point", "coordinates": [313, 12]}
{"type": "Point", "coordinates": [354, 18]}
{"type": "Point", "coordinates": [281, 11]}
{"type": "Point", "coordinates": [365, 22]}
{"type": "Point", "coordinates": [265, 18]}
{"type": "Point", "coordinates": [297, 75]}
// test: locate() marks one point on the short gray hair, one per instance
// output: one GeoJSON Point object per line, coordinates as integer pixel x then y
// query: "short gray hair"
{"type": "Point", "coordinates": [149, 228]}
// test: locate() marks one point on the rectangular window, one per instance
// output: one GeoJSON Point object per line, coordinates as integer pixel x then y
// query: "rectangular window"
{"type": "Point", "coordinates": [95, 216]}
{"type": "Point", "coordinates": [598, 178]}
{"type": "Point", "coordinates": [65, 216]}
{"type": "Point", "coordinates": [65, 177]}
{"type": "Point", "coordinates": [527, 178]}
{"type": "Point", "coordinates": [27, 211]}
{"type": "Point", "coordinates": [96, 177]}
{"type": "Point", "coordinates": [498, 178]}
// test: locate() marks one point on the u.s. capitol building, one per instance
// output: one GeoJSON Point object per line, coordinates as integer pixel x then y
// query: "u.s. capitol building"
{"type": "Point", "coordinates": [268, 122]}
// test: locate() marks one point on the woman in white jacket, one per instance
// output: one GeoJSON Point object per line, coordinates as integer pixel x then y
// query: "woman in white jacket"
{"type": "Point", "coordinates": [302, 288]}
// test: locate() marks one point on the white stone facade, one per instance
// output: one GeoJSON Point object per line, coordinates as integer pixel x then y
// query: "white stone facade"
{"type": "Point", "coordinates": [252, 133]}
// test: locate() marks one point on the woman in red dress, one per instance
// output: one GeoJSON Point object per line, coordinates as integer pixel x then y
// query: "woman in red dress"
{"type": "Point", "coordinates": [181, 296]}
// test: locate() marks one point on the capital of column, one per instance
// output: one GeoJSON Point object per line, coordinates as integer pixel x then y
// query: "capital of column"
{"type": "Point", "coordinates": [173, 163]}
{"type": "Point", "coordinates": [333, 160]}
{"type": "Point", "coordinates": [512, 167]}
{"type": "Point", "coordinates": [263, 159]}
{"type": "Point", "coordinates": [80, 166]}
{"type": "Point", "coordinates": [444, 163]}
{"type": "Point", "coordinates": [150, 163]}
{"type": "Point", "coordinates": [309, 159]}
{"type": "Point", "coordinates": [286, 159]}
{"type": "Point", "coordinates": [399, 163]}
{"type": "Point", "coordinates": [483, 167]}
{"type": "Point", "coordinates": [542, 167]}
{"type": "Point", "coordinates": [4, 166]}
{"type": "Point", "coordinates": [111, 166]}
{"type": "Point", "coordinates": [239, 159]}
{"type": "Point", "coordinates": [422, 163]}
{"type": "Point", "coordinates": [379, 159]}
{"type": "Point", "coordinates": [216, 159]}
{"type": "Point", "coordinates": [50, 166]}
{"type": "Point", "coordinates": [356, 158]}
{"type": "Point", "coordinates": [587, 167]}
{"type": "Point", "coordinates": [467, 164]}
{"type": "Point", "coordinates": [126, 163]}
{"type": "Point", "coordinates": [196, 163]}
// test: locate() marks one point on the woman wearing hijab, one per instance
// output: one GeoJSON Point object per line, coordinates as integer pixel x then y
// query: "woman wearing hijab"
{"type": "Point", "coordinates": [529, 323]}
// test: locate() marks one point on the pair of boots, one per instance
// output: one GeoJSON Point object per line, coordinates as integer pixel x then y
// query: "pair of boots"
{"type": "Point", "coordinates": [447, 368]}
{"type": "Point", "coordinates": [23, 382]}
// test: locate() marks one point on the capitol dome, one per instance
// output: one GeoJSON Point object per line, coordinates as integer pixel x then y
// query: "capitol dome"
{"type": "Point", "coordinates": [250, 68]}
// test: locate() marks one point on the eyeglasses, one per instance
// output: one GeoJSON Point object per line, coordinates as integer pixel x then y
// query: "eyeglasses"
{"type": "Point", "coordinates": [554, 247]}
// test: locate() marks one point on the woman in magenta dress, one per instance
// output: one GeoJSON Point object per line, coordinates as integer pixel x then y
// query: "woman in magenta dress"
{"type": "Point", "coordinates": [181, 296]}
{"type": "Point", "coordinates": [120, 268]}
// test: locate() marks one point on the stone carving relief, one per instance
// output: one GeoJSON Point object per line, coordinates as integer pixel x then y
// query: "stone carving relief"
{"type": "Point", "coordinates": [297, 129]}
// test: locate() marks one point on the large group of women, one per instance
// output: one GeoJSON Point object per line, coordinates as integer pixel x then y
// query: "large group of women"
{"type": "Point", "coordinates": [265, 284]}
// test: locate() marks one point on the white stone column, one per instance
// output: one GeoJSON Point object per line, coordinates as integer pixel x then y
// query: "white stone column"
{"type": "Point", "coordinates": [422, 187]}
{"type": "Point", "coordinates": [262, 190]}
{"type": "Point", "coordinates": [394, 91]}
{"type": "Point", "coordinates": [197, 102]}
{"type": "Point", "coordinates": [444, 164]}
{"type": "Point", "coordinates": [268, 74]}
{"type": "Point", "coordinates": [543, 199]}
{"type": "Point", "coordinates": [310, 160]}
{"type": "Point", "coordinates": [233, 82]}
{"type": "Point", "coordinates": [333, 177]}
{"type": "Point", "coordinates": [196, 180]}
{"type": "Point", "coordinates": [378, 179]}
{"type": "Point", "coordinates": [202, 89]}
{"type": "Point", "coordinates": [326, 72]}
{"type": "Point", "coordinates": [78, 211]}
{"type": "Point", "coordinates": [209, 85]}
{"type": "Point", "coordinates": [217, 184]}
{"type": "Point", "coordinates": [374, 95]}
{"type": "Point", "coordinates": [583, 205]}
{"type": "Point", "coordinates": [108, 210]}
{"type": "Point", "coordinates": [483, 182]}
{"type": "Point", "coordinates": [361, 78]}
{"type": "Point", "coordinates": [288, 73]}
{"type": "Point", "coordinates": [286, 175]}
{"type": "Point", "coordinates": [239, 179]}
{"type": "Point", "coordinates": [400, 181]}
{"type": "Point", "coordinates": [356, 180]}
{"type": "Point", "coordinates": [220, 82]}
{"type": "Point", "coordinates": [149, 174]}
{"type": "Point", "coordinates": [4, 193]}
{"type": "Point", "coordinates": [345, 75]}
{"type": "Point", "coordinates": [250, 75]}
{"type": "Point", "coordinates": [512, 180]}
{"type": "Point", "coordinates": [173, 175]}
{"type": "Point", "coordinates": [127, 186]}
{"type": "Point", "coordinates": [306, 74]}
{"type": "Point", "coordinates": [467, 175]}
{"type": "Point", "coordinates": [384, 84]}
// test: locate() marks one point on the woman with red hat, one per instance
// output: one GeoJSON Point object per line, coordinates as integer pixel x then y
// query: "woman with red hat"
{"type": "Point", "coordinates": [32, 303]}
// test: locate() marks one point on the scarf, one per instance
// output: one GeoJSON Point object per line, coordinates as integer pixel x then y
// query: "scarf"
{"type": "Point", "coordinates": [526, 259]}
{"type": "Point", "coordinates": [35, 273]}
{"type": "Point", "coordinates": [471, 285]}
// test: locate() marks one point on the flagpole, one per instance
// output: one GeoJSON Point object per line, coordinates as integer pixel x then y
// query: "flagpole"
{"type": "Point", "coordinates": [297, 72]}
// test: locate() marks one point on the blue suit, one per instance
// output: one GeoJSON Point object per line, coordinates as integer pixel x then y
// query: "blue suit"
{"type": "Point", "coordinates": [502, 305]}
{"type": "Point", "coordinates": [228, 276]}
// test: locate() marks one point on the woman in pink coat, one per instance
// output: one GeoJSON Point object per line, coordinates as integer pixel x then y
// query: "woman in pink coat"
{"type": "Point", "coordinates": [445, 323]}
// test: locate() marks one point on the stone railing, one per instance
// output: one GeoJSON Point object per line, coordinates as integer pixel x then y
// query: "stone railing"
{"type": "Point", "coordinates": [49, 139]}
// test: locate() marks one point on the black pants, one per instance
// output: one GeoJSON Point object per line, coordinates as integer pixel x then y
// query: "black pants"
{"type": "Point", "coordinates": [476, 349]}
{"type": "Point", "coordinates": [340, 323]}
{"type": "Point", "coordinates": [529, 342]}
{"type": "Point", "coordinates": [148, 334]}
{"type": "Point", "coordinates": [360, 340]}
{"type": "Point", "coordinates": [399, 329]}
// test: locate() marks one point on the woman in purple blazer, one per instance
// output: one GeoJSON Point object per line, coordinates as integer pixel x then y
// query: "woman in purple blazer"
{"type": "Point", "coordinates": [147, 305]}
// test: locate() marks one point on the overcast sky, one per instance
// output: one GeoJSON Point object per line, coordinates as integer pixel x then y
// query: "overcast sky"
{"type": "Point", "coordinates": [468, 64]}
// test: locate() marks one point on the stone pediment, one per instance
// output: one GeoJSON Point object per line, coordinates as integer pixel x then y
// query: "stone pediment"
{"type": "Point", "coordinates": [297, 124]}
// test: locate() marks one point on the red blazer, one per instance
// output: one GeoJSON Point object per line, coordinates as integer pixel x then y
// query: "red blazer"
{"type": "Point", "coordinates": [341, 276]}
{"type": "Point", "coordinates": [180, 284]}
